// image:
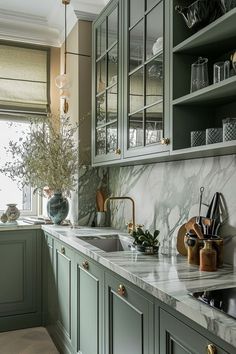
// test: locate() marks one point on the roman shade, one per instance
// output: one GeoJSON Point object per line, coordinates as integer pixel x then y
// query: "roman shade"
{"type": "Point", "coordinates": [23, 78]}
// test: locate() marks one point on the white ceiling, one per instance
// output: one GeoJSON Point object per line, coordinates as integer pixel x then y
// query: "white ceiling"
{"type": "Point", "coordinates": [42, 21]}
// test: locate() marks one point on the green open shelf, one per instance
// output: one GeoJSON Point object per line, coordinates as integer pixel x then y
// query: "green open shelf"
{"type": "Point", "coordinates": [219, 93]}
{"type": "Point", "coordinates": [217, 36]}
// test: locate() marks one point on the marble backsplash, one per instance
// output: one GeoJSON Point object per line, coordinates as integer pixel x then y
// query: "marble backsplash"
{"type": "Point", "coordinates": [167, 195]}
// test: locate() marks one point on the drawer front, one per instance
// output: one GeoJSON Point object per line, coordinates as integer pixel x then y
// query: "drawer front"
{"type": "Point", "coordinates": [178, 338]}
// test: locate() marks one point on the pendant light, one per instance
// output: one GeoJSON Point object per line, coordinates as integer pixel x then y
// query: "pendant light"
{"type": "Point", "coordinates": [62, 81]}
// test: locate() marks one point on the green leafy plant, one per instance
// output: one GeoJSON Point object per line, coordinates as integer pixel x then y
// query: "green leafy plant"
{"type": "Point", "coordinates": [145, 238]}
{"type": "Point", "coordinates": [46, 156]}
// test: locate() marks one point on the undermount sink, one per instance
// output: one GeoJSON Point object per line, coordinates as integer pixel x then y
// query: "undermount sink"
{"type": "Point", "coordinates": [114, 243]}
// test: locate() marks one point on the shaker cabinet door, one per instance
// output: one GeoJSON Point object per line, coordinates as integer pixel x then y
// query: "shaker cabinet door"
{"type": "Point", "coordinates": [63, 278]}
{"type": "Point", "coordinates": [178, 338]}
{"type": "Point", "coordinates": [89, 302]}
{"type": "Point", "coordinates": [129, 319]}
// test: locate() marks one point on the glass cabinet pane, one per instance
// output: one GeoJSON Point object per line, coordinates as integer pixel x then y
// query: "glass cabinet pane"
{"type": "Point", "coordinates": [101, 39]}
{"type": "Point", "coordinates": [136, 90]}
{"type": "Point", "coordinates": [136, 11]}
{"type": "Point", "coordinates": [101, 75]}
{"type": "Point", "coordinates": [154, 35]}
{"type": "Point", "coordinates": [136, 46]}
{"type": "Point", "coordinates": [101, 109]}
{"type": "Point", "coordinates": [112, 104]}
{"type": "Point", "coordinates": [101, 141]}
{"type": "Point", "coordinates": [112, 65]}
{"type": "Point", "coordinates": [136, 130]}
{"type": "Point", "coordinates": [154, 82]}
{"type": "Point", "coordinates": [112, 28]}
{"type": "Point", "coordinates": [111, 137]}
{"type": "Point", "coordinates": [154, 124]}
{"type": "Point", "coordinates": [151, 3]}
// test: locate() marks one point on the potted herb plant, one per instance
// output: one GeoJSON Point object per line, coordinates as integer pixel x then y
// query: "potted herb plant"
{"type": "Point", "coordinates": [145, 241]}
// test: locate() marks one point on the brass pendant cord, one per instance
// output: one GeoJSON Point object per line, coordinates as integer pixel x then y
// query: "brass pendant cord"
{"type": "Point", "coordinates": [65, 3]}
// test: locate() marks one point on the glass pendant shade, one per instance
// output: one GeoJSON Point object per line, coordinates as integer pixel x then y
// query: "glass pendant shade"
{"type": "Point", "coordinates": [62, 82]}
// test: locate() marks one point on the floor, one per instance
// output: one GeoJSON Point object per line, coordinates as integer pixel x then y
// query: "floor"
{"type": "Point", "coordinates": [27, 341]}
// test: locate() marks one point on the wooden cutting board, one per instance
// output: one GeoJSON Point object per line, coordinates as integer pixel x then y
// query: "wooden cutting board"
{"type": "Point", "coordinates": [180, 241]}
{"type": "Point", "coordinates": [100, 199]}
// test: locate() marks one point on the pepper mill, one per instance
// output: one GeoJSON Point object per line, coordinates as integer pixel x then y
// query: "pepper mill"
{"type": "Point", "coordinates": [208, 257]}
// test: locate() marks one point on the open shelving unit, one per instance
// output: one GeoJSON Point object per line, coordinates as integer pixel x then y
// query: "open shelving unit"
{"type": "Point", "coordinates": [205, 108]}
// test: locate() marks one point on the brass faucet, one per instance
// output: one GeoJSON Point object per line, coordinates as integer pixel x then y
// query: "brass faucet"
{"type": "Point", "coordinates": [131, 225]}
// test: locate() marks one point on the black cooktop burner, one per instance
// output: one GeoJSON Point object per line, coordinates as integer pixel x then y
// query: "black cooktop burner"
{"type": "Point", "coordinates": [222, 299]}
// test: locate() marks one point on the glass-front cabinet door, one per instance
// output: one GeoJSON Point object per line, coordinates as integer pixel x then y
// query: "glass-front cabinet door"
{"type": "Point", "coordinates": [107, 88]}
{"type": "Point", "coordinates": [144, 71]}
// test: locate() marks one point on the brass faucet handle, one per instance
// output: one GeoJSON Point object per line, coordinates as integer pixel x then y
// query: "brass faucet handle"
{"type": "Point", "coordinates": [130, 227]}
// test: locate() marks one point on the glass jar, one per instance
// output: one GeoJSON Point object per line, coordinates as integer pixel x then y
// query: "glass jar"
{"type": "Point", "coordinates": [229, 129]}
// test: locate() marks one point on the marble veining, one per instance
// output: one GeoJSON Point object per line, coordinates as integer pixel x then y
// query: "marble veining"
{"type": "Point", "coordinates": [167, 195]}
{"type": "Point", "coordinates": [168, 278]}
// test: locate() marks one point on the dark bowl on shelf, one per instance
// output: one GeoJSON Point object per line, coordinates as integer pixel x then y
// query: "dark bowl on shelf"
{"type": "Point", "coordinates": [201, 12]}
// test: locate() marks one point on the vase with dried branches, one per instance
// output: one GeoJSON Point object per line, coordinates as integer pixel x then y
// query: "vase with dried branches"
{"type": "Point", "coordinates": [46, 158]}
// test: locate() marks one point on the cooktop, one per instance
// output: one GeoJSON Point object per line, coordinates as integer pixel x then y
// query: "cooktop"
{"type": "Point", "coordinates": [221, 299]}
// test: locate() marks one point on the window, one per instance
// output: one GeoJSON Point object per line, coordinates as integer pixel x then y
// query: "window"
{"type": "Point", "coordinates": [24, 90]}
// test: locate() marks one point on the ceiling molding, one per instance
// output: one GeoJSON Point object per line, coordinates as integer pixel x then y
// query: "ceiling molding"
{"type": "Point", "coordinates": [89, 6]}
{"type": "Point", "coordinates": [86, 16]}
{"type": "Point", "coordinates": [44, 23]}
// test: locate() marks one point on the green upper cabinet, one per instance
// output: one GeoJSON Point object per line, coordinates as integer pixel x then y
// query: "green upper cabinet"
{"type": "Point", "coordinates": [144, 78]}
{"type": "Point", "coordinates": [107, 85]}
{"type": "Point", "coordinates": [130, 117]}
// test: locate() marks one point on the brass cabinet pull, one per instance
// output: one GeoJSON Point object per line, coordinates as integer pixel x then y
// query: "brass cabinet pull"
{"type": "Point", "coordinates": [211, 349]}
{"type": "Point", "coordinates": [121, 290]}
{"type": "Point", "coordinates": [85, 264]}
{"type": "Point", "coordinates": [165, 141]}
{"type": "Point", "coordinates": [63, 250]}
{"type": "Point", "coordinates": [118, 151]}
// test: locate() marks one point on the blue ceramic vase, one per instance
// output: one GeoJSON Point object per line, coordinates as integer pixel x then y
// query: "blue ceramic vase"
{"type": "Point", "coordinates": [57, 208]}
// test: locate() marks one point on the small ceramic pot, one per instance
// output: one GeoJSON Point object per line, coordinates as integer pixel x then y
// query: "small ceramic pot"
{"type": "Point", "coordinates": [12, 213]}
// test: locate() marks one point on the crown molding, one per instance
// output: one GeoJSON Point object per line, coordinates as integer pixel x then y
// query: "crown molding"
{"type": "Point", "coordinates": [85, 16]}
{"type": "Point", "coordinates": [89, 6]}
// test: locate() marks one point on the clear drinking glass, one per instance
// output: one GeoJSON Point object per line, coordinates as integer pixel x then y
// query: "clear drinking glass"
{"type": "Point", "coordinates": [221, 71]}
{"type": "Point", "coordinates": [199, 74]}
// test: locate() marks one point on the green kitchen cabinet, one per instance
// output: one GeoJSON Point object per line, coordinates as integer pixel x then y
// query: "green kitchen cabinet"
{"type": "Point", "coordinates": [130, 76]}
{"type": "Point", "coordinates": [49, 284]}
{"type": "Point", "coordinates": [129, 318]}
{"type": "Point", "coordinates": [63, 267]}
{"type": "Point", "coordinates": [146, 72]}
{"type": "Point", "coordinates": [176, 337]}
{"type": "Point", "coordinates": [107, 90]}
{"type": "Point", "coordinates": [20, 279]}
{"type": "Point", "coordinates": [89, 280]}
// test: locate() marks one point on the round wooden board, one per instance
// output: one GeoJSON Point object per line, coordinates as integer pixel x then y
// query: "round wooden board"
{"type": "Point", "coordinates": [180, 241]}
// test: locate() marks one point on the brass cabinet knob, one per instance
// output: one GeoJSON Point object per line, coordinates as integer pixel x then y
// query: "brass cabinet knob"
{"type": "Point", "coordinates": [121, 290]}
{"type": "Point", "coordinates": [85, 264]}
{"type": "Point", "coordinates": [118, 151]}
{"type": "Point", "coordinates": [63, 250]}
{"type": "Point", "coordinates": [211, 349]}
{"type": "Point", "coordinates": [165, 141]}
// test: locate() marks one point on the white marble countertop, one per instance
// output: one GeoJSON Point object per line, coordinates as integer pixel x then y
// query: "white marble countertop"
{"type": "Point", "coordinates": [19, 225]}
{"type": "Point", "coordinates": [169, 279]}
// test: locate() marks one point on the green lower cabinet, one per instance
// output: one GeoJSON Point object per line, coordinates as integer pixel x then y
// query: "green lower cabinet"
{"type": "Point", "coordinates": [177, 337]}
{"type": "Point", "coordinates": [20, 279]}
{"type": "Point", "coordinates": [129, 319]}
{"type": "Point", "coordinates": [63, 265]}
{"type": "Point", "coordinates": [49, 283]}
{"type": "Point", "coordinates": [89, 302]}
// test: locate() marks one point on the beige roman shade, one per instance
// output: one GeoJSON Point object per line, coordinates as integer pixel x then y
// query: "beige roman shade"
{"type": "Point", "coordinates": [23, 78]}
